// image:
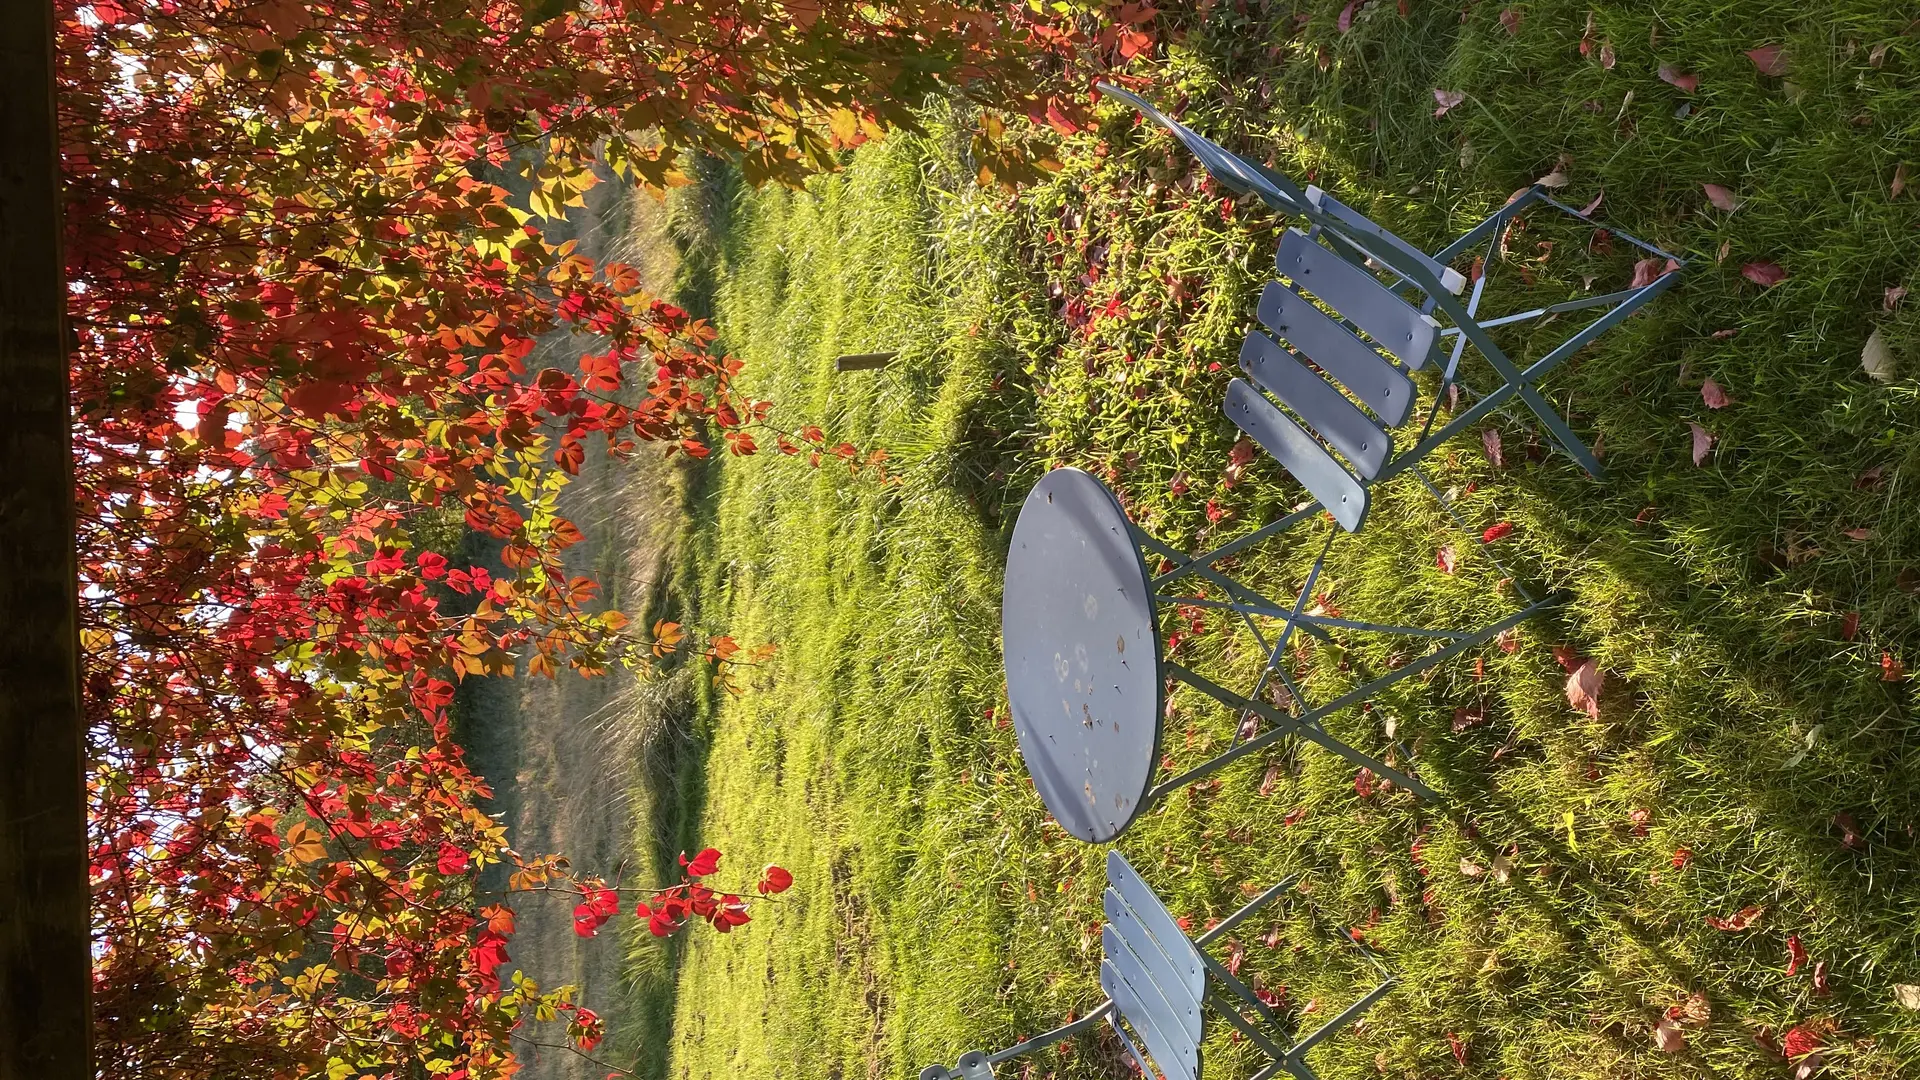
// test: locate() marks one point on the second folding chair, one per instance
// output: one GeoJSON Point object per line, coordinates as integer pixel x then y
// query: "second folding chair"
{"type": "Point", "coordinates": [1159, 985]}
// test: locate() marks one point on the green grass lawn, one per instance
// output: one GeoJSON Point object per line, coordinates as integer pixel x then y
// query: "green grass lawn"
{"type": "Point", "coordinates": [1748, 750]}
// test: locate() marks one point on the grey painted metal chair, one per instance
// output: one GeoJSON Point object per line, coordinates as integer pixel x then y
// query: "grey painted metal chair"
{"type": "Point", "coordinates": [1356, 315]}
{"type": "Point", "coordinates": [1159, 984]}
{"type": "Point", "coordinates": [1351, 255]}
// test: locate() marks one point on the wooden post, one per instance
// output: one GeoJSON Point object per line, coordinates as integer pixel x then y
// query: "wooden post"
{"type": "Point", "coordinates": [865, 361]}
{"type": "Point", "coordinates": [45, 978]}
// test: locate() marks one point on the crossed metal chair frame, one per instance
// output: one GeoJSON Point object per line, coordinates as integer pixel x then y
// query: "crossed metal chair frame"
{"type": "Point", "coordinates": [1158, 981]}
{"type": "Point", "coordinates": [1358, 242]}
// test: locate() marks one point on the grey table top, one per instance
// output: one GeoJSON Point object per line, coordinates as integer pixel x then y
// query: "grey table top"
{"type": "Point", "coordinates": [1082, 655]}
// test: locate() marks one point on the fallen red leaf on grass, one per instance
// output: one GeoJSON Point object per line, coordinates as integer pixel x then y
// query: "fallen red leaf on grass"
{"type": "Point", "coordinates": [1767, 274]}
{"type": "Point", "coordinates": [1671, 75]}
{"type": "Point", "coordinates": [1459, 1048]}
{"type": "Point", "coordinates": [1739, 920]}
{"type": "Point", "coordinates": [1347, 13]}
{"type": "Point", "coordinates": [1447, 99]}
{"type": "Point", "coordinates": [1796, 955]}
{"type": "Point", "coordinates": [1849, 626]}
{"type": "Point", "coordinates": [1445, 559]}
{"type": "Point", "coordinates": [1666, 1036]}
{"type": "Point", "coordinates": [1891, 670]}
{"type": "Point", "coordinates": [1721, 197]}
{"type": "Point", "coordinates": [1363, 783]}
{"type": "Point", "coordinates": [1769, 59]}
{"type": "Point", "coordinates": [1800, 1040]}
{"type": "Point", "coordinates": [1713, 395]}
{"type": "Point", "coordinates": [1495, 532]}
{"type": "Point", "coordinates": [1490, 438]}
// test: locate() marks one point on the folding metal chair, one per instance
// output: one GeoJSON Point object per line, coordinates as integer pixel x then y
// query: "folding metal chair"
{"type": "Point", "coordinates": [1340, 338]}
{"type": "Point", "coordinates": [1158, 984]}
{"type": "Point", "coordinates": [1351, 286]}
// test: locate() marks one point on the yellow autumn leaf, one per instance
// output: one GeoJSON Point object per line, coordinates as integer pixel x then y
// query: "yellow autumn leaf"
{"type": "Point", "coordinates": [305, 844]}
{"type": "Point", "coordinates": [845, 124]}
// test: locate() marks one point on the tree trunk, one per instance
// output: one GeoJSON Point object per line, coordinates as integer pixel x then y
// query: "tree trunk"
{"type": "Point", "coordinates": [45, 1025]}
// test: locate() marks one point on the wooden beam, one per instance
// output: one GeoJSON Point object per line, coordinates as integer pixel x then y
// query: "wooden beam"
{"type": "Point", "coordinates": [866, 361]}
{"type": "Point", "coordinates": [45, 1024]}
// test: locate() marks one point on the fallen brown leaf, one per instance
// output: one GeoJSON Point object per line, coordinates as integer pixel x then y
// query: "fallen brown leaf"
{"type": "Point", "coordinates": [1666, 1036]}
{"type": "Point", "coordinates": [1702, 442]}
{"type": "Point", "coordinates": [1583, 688]}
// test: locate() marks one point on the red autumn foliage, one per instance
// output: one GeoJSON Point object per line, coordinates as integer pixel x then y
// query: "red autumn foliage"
{"type": "Point", "coordinates": [307, 275]}
{"type": "Point", "coordinates": [775, 880]}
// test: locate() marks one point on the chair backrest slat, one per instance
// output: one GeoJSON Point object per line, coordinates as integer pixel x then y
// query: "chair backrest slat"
{"type": "Point", "coordinates": [1175, 1059]}
{"type": "Point", "coordinates": [1160, 1000]}
{"type": "Point", "coordinates": [1355, 221]}
{"type": "Point", "coordinates": [1393, 324]}
{"type": "Point", "coordinates": [1301, 454]}
{"type": "Point", "coordinates": [1153, 917]}
{"type": "Point", "coordinates": [1337, 420]}
{"type": "Point", "coordinates": [1385, 389]}
{"type": "Point", "coordinates": [1181, 981]}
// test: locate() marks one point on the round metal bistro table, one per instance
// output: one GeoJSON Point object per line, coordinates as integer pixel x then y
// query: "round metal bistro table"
{"type": "Point", "coordinates": [1082, 655]}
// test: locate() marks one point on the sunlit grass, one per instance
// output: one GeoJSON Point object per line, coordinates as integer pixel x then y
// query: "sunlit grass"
{"type": "Point", "coordinates": [936, 910]}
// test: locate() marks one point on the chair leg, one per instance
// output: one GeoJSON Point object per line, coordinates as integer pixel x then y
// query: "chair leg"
{"type": "Point", "coordinates": [1346, 1016]}
{"type": "Point", "coordinates": [1134, 1052]}
{"type": "Point", "coordinates": [1252, 906]}
{"type": "Point", "coordinates": [1305, 726]}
